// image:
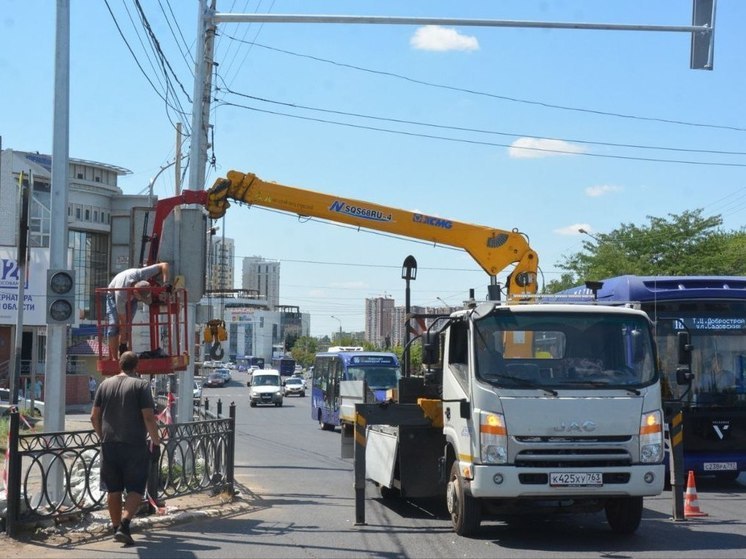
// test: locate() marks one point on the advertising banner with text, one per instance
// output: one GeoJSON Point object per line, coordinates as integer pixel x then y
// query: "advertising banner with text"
{"type": "Point", "coordinates": [34, 287]}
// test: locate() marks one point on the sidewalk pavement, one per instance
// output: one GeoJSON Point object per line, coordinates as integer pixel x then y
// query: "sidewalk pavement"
{"type": "Point", "coordinates": [96, 526]}
{"type": "Point", "coordinates": [88, 527]}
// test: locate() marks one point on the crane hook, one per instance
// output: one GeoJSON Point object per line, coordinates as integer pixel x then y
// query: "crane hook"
{"type": "Point", "coordinates": [216, 351]}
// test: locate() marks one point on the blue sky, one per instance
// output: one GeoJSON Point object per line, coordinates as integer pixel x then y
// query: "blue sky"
{"type": "Point", "coordinates": [573, 92]}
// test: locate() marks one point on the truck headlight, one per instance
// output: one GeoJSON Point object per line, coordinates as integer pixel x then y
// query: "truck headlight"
{"type": "Point", "coordinates": [651, 437]}
{"type": "Point", "coordinates": [493, 438]}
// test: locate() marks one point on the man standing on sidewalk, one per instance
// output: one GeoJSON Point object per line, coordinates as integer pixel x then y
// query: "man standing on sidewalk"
{"type": "Point", "coordinates": [123, 417]}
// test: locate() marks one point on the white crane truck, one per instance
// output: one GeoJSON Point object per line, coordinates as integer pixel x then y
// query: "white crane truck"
{"type": "Point", "coordinates": [522, 408]}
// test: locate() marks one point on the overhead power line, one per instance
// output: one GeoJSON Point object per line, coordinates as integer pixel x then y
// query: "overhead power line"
{"type": "Point", "coordinates": [494, 95]}
{"type": "Point", "coordinates": [482, 131]}
{"type": "Point", "coordinates": [484, 143]}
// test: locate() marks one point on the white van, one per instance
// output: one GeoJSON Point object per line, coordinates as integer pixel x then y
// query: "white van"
{"type": "Point", "coordinates": [266, 388]}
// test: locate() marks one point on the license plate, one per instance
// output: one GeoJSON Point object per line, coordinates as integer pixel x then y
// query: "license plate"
{"type": "Point", "coordinates": [575, 479]}
{"type": "Point", "coordinates": [720, 466]}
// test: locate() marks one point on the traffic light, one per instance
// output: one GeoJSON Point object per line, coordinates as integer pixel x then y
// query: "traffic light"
{"type": "Point", "coordinates": [703, 43]}
{"type": "Point", "coordinates": [60, 296]}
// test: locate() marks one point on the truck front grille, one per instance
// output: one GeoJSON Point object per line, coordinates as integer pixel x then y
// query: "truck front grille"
{"type": "Point", "coordinates": [575, 457]}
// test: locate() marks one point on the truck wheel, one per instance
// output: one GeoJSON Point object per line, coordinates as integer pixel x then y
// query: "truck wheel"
{"type": "Point", "coordinates": [388, 493]}
{"type": "Point", "coordinates": [252, 404]}
{"type": "Point", "coordinates": [463, 508]}
{"type": "Point", "coordinates": [624, 514]}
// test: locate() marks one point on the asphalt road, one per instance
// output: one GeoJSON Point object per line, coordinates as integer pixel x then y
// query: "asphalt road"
{"type": "Point", "coordinates": [305, 508]}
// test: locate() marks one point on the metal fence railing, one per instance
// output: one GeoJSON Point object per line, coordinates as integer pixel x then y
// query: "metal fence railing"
{"type": "Point", "coordinates": [54, 475]}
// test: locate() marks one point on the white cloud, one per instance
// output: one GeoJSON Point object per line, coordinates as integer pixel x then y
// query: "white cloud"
{"type": "Point", "coordinates": [534, 148]}
{"type": "Point", "coordinates": [437, 38]}
{"type": "Point", "coordinates": [574, 229]}
{"type": "Point", "coordinates": [601, 190]}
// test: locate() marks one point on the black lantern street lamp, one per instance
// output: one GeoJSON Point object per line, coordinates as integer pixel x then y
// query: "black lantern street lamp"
{"type": "Point", "coordinates": [408, 273]}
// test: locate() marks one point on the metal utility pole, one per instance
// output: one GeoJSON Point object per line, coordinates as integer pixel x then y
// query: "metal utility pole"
{"type": "Point", "coordinates": [54, 407]}
{"type": "Point", "coordinates": [21, 261]}
{"type": "Point", "coordinates": [190, 222]}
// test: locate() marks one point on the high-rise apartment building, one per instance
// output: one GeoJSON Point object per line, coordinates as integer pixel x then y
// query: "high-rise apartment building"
{"type": "Point", "coordinates": [399, 318]}
{"type": "Point", "coordinates": [220, 255]}
{"type": "Point", "coordinates": [379, 315]}
{"type": "Point", "coordinates": [263, 277]}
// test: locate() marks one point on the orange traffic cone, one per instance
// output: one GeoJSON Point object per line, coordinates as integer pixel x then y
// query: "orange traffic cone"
{"type": "Point", "coordinates": [691, 504]}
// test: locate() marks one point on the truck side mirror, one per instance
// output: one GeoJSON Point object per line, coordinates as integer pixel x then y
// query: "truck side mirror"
{"type": "Point", "coordinates": [430, 348]}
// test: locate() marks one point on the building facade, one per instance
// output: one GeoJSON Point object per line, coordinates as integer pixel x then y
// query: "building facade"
{"type": "Point", "coordinates": [96, 206]}
{"type": "Point", "coordinates": [263, 277]}
{"type": "Point", "coordinates": [379, 322]}
{"type": "Point", "coordinates": [220, 267]}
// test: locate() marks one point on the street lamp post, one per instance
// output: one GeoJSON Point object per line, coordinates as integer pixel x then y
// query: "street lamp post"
{"type": "Point", "coordinates": [591, 235]}
{"type": "Point", "coordinates": [408, 273]}
{"type": "Point", "coordinates": [340, 328]}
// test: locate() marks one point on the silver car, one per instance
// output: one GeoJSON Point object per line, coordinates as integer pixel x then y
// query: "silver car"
{"type": "Point", "coordinates": [295, 386]}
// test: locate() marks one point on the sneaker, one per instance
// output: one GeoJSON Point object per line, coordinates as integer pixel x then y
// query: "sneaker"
{"type": "Point", "coordinates": [122, 535]}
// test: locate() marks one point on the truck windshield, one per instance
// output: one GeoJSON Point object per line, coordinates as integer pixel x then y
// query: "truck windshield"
{"type": "Point", "coordinates": [582, 350]}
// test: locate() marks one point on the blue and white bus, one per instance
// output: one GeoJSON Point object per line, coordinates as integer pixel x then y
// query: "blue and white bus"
{"type": "Point", "coordinates": [713, 310]}
{"type": "Point", "coordinates": [380, 371]}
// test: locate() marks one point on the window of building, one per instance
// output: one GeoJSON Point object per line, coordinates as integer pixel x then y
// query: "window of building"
{"type": "Point", "coordinates": [91, 264]}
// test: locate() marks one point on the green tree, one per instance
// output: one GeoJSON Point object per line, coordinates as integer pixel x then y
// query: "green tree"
{"type": "Point", "coordinates": [415, 356]}
{"type": "Point", "coordinates": [304, 351]}
{"type": "Point", "coordinates": [684, 244]}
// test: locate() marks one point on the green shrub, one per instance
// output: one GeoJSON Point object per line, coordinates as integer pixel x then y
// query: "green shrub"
{"type": "Point", "coordinates": [4, 429]}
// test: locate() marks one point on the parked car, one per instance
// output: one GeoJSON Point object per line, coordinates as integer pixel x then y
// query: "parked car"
{"type": "Point", "coordinates": [266, 388]}
{"type": "Point", "coordinates": [225, 373]}
{"type": "Point", "coordinates": [197, 391]}
{"type": "Point", "coordinates": [214, 380]}
{"type": "Point", "coordinates": [23, 403]}
{"type": "Point", "coordinates": [295, 386]}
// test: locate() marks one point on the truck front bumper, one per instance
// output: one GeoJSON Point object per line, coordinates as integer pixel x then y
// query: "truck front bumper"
{"type": "Point", "coordinates": [511, 482]}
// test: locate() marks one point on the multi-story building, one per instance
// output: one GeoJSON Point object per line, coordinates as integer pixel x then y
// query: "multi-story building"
{"type": "Point", "coordinates": [262, 276]}
{"type": "Point", "coordinates": [253, 328]}
{"type": "Point", "coordinates": [379, 317]}
{"type": "Point", "coordinates": [220, 255]}
{"type": "Point", "coordinates": [99, 220]}
{"type": "Point", "coordinates": [399, 318]}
